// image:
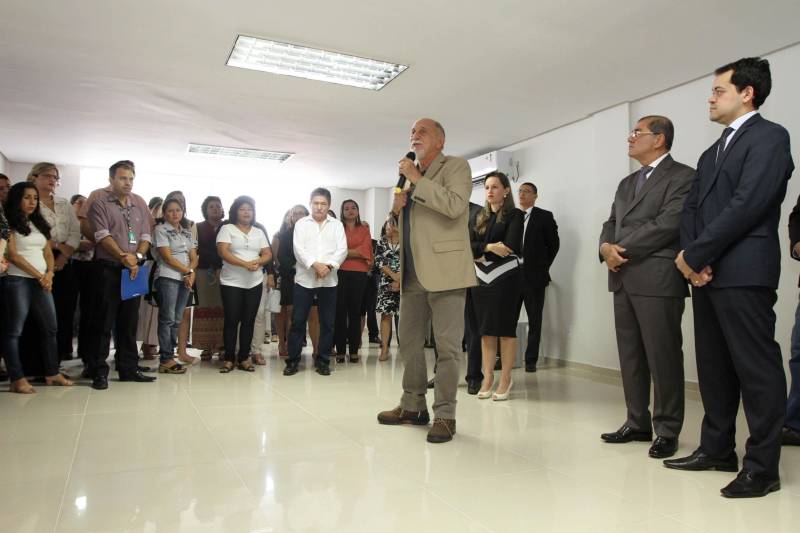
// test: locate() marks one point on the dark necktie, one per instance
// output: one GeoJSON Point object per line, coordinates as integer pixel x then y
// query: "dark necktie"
{"type": "Point", "coordinates": [721, 143]}
{"type": "Point", "coordinates": [641, 177]}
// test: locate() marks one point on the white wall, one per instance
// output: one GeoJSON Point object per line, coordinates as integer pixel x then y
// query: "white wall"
{"type": "Point", "coordinates": [577, 168]}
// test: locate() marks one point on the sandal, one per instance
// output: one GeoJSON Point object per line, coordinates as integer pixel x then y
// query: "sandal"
{"type": "Point", "coordinates": [175, 368]}
{"type": "Point", "coordinates": [59, 380]}
{"type": "Point", "coordinates": [21, 386]}
{"type": "Point", "coordinates": [226, 367]}
{"type": "Point", "coordinates": [246, 365]}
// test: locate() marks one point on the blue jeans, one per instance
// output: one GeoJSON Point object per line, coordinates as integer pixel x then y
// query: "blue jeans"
{"type": "Point", "coordinates": [326, 305]}
{"type": "Point", "coordinates": [172, 296]}
{"type": "Point", "coordinates": [23, 296]}
{"type": "Point", "coordinates": [793, 403]}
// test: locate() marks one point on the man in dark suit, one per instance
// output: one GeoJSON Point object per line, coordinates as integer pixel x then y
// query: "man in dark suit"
{"type": "Point", "coordinates": [472, 334]}
{"type": "Point", "coordinates": [791, 428]}
{"type": "Point", "coordinates": [539, 248]}
{"type": "Point", "coordinates": [639, 243]}
{"type": "Point", "coordinates": [731, 255]}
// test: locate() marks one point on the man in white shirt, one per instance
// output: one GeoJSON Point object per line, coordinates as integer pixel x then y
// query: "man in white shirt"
{"type": "Point", "coordinates": [320, 246]}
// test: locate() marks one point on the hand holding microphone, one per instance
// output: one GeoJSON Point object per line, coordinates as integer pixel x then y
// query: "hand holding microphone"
{"type": "Point", "coordinates": [406, 167]}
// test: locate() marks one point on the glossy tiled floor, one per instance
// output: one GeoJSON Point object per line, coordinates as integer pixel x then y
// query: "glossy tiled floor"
{"type": "Point", "coordinates": [260, 452]}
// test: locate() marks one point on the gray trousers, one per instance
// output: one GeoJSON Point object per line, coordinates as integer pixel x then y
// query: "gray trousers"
{"type": "Point", "coordinates": [417, 308]}
{"type": "Point", "coordinates": [650, 345]}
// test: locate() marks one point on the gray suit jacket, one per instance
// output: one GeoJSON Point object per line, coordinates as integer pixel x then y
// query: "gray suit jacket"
{"type": "Point", "coordinates": [647, 225]}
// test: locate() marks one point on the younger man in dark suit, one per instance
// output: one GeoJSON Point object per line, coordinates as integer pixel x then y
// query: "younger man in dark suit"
{"type": "Point", "coordinates": [639, 243]}
{"type": "Point", "coordinates": [731, 255]}
{"type": "Point", "coordinates": [539, 248]}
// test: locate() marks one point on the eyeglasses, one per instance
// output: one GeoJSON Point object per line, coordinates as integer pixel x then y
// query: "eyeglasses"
{"type": "Point", "coordinates": [638, 133]}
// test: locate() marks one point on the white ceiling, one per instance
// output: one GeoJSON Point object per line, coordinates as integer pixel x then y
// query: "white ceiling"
{"type": "Point", "coordinates": [89, 82]}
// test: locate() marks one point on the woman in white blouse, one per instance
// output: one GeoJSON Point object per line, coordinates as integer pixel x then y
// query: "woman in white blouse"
{"type": "Point", "coordinates": [245, 251]}
{"type": "Point", "coordinates": [65, 237]}
{"type": "Point", "coordinates": [27, 287]}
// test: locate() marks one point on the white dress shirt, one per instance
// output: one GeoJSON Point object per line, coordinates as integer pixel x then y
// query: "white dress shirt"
{"type": "Point", "coordinates": [64, 225]}
{"type": "Point", "coordinates": [318, 243]}
{"type": "Point", "coordinates": [736, 124]}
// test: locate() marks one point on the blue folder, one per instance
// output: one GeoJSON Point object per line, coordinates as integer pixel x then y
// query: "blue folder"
{"type": "Point", "coordinates": [131, 288]}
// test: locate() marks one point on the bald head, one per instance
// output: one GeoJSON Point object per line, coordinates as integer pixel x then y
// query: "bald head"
{"type": "Point", "coordinates": [427, 140]}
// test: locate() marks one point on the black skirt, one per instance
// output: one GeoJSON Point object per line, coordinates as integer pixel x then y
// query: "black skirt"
{"type": "Point", "coordinates": [497, 305]}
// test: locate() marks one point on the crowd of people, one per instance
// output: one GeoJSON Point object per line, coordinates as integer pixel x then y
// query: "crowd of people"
{"type": "Point", "coordinates": [465, 272]}
{"type": "Point", "coordinates": [220, 283]}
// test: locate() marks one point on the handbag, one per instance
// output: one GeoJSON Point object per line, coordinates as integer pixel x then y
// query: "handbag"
{"type": "Point", "coordinates": [273, 304]}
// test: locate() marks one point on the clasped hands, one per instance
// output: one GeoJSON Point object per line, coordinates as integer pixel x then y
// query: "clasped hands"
{"type": "Point", "coordinates": [697, 279]}
{"type": "Point", "coordinates": [321, 270]}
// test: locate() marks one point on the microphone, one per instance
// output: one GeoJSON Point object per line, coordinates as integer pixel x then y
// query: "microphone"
{"type": "Point", "coordinates": [401, 182]}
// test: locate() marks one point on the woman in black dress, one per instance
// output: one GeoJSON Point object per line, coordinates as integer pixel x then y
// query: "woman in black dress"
{"type": "Point", "coordinates": [496, 243]}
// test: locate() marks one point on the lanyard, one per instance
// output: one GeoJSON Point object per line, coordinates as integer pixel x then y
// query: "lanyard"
{"type": "Point", "coordinates": [126, 214]}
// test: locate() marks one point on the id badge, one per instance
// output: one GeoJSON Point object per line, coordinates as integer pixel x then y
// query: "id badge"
{"type": "Point", "coordinates": [131, 237]}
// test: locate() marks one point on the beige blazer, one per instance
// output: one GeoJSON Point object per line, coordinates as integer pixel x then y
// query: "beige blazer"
{"type": "Point", "coordinates": [439, 226]}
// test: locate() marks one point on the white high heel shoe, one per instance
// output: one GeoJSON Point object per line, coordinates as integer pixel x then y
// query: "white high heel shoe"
{"type": "Point", "coordinates": [485, 395]}
{"type": "Point", "coordinates": [501, 397]}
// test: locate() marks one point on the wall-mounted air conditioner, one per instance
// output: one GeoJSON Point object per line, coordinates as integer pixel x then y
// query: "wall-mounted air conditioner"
{"type": "Point", "coordinates": [491, 162]}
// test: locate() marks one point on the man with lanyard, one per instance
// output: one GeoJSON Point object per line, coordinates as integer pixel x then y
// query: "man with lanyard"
{"type": "Point", "coordinates": [120, 223]}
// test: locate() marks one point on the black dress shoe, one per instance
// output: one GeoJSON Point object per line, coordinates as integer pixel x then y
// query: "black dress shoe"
{"type": "Point", "coordinates": [473, 387]}
{"type": "Point", "coordinates": [663, 447]}
{"type": "Point", "coordinates": [138, 377]}
{"type": "Point", "coordinates": [751, 485]}
{"type": "Point", "coordinates": [290, 370]}
{"type": "Point", "coordinates": [100, 383]}
{"type": "Point", "coordinates": [323, 370]}
{"type": "Point", "coordinates": [627, 434]}
{"type": "Point", "coordinates": [790, 437]}
{"type": "Point", "coordinates": [702, 461]}
{"type": "Point", "coordinates": [530, 367]}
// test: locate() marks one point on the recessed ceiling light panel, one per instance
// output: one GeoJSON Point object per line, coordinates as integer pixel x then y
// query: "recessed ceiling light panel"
{"type": "Point", "coordinates": [312, 63]}
{"type": "Point", "coordinates": [238, 153]}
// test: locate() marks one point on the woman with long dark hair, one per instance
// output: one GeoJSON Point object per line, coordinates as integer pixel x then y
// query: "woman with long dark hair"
{"type": "Point", "coordinates": [352, 282]}
{"type": "Point", "coordinates": [27, 289]}
{"type": "Point", "coordinates": [496, 242]}
{"type": "Point", "coordinates": [245, 251]}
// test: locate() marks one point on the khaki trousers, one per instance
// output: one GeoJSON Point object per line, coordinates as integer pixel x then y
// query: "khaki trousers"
{"type": "Point", "coordinates": [446, 310]}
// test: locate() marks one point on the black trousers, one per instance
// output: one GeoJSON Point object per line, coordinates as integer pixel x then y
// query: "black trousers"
{"type": "Point", "coordinates": [368, 305]}
{"type": "Point", "coordinates": [472, 336]}
{"type": "Point", "coordinates": [349, 295]}
{"type": "Point", "coordinates": [65, 297]}
{"type": "Point", "coordinates": [737, 355]}
{"type": "Point", "coordinates": [111, 312]}
{"type": "Point", "coordinates": [86, 281]}
{"type": "Point", "coordinates": [533, 298]}
{"type": "Point", "coordinates": [240, 307]}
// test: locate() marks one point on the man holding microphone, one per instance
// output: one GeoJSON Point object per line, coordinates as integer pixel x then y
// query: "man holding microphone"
{"type": "Point", "coordinates": [435, 269]}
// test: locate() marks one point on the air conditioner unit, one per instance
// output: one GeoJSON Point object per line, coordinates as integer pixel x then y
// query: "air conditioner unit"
{"type": "Point", "coordinates": [486, 163]}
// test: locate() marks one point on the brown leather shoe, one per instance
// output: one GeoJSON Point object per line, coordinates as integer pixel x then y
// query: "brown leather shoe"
{"type": "Point", "coordinates": [442, 430]}
{"type": "Point", "coordinates": [398, 415]}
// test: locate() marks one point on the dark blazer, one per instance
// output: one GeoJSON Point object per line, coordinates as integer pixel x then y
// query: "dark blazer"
{"type": "Point", "coordinates": [647, 226]}
{"type": "Point", "coordinates": [730, 220]}
{"type": "Point", "coordinates": [794, 230]}
{"type": "Point", "coordinates": [540, 247]}
{"type": "Point", "coordinates": [509, 232]}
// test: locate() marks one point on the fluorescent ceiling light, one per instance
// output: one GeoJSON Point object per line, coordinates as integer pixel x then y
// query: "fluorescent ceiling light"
{"type": "Point", "coordinates": [239, 153]}
{"type": "Point", "coordinates": [312, 63]}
